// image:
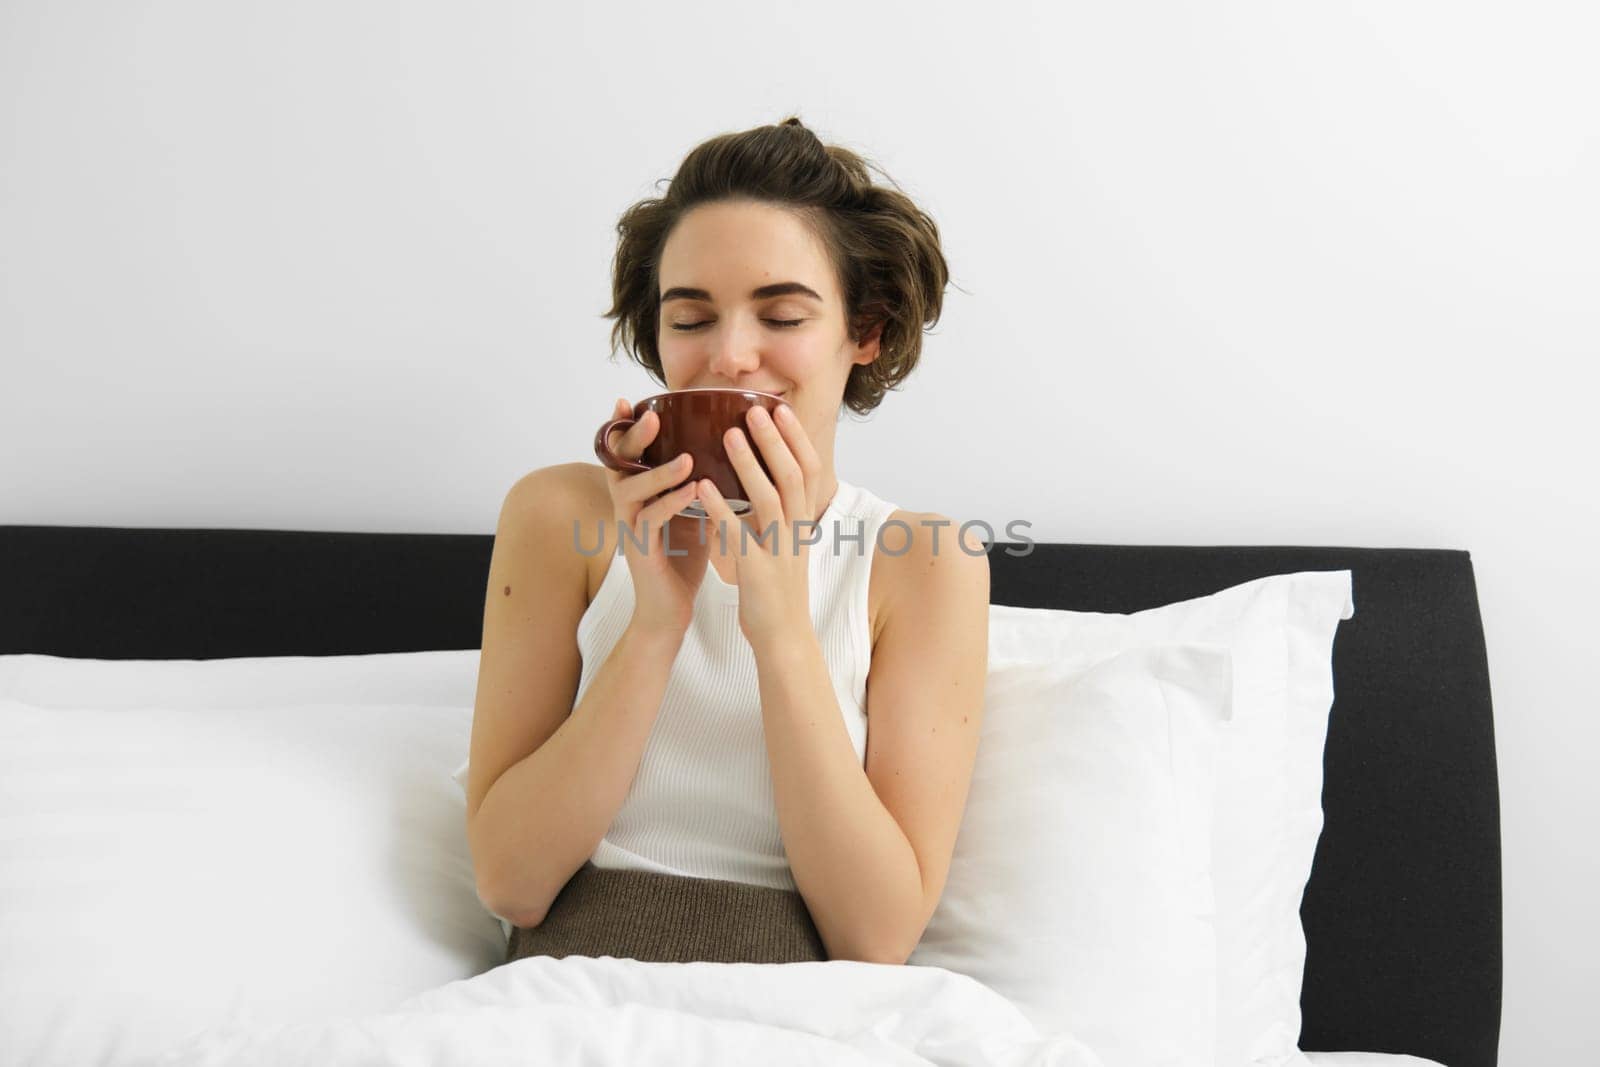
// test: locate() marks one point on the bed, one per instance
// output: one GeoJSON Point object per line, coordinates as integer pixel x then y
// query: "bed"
{"type": "Point", "coordinates": [1402, 910]}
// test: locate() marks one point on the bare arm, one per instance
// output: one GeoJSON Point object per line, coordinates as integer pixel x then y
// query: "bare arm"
{"type": "Point", "coordinates": [546, 815]}
{"type": "Point", "coordinates": [871, 851]}
{"type": "Point", "coordinates": [546, 779]}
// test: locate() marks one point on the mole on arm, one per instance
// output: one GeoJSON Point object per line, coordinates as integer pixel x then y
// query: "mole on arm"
{"type": "Point", "coordinates": [508, 590]}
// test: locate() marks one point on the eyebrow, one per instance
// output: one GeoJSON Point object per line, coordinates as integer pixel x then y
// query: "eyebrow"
{"type": "Point", "coordinates": [679, 292]}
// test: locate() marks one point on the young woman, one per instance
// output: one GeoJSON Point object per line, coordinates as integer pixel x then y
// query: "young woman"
{"type": "Point", "coordinates": [736, 751]}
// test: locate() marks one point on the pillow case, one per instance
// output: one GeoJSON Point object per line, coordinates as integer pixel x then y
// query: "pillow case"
{"type": "Point", "coordinates": [1268, 813]}
{"type": "Point", "coordinates": [1080, 886]}
{"type": "Point", "coordinates": [434, 678]}
{"type": "Point", "coordinates": [170, 868]}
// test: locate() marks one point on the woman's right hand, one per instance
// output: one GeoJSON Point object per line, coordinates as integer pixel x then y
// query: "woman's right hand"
{"type": "Point", "coordinates": [663, 597]}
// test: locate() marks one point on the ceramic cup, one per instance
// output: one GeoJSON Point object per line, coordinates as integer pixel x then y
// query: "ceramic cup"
{"type": "Point", "coordinates": [693, 421]}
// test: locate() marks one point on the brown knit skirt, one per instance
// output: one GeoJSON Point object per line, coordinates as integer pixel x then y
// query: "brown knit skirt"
{"type": "Point", "coordinates": [669, 918]}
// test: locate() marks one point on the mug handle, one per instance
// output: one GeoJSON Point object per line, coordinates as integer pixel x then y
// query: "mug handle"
{"type": "Point", "coordinates": [602, 449]}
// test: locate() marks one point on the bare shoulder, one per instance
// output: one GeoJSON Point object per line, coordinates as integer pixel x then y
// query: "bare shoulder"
{"type": "Point", "coordinates": [923, 560]}
{"type": "Point", "coordinates": [555, 493]}
{"type": "Point", "coordinates": [564, 504]}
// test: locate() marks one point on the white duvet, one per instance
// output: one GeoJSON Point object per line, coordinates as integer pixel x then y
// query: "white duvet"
{"type": "Point", "coordinates": [580, 1009]}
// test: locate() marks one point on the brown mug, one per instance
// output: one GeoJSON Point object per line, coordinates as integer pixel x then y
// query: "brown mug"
{"type": "Point", "coordinates": [694, 421]}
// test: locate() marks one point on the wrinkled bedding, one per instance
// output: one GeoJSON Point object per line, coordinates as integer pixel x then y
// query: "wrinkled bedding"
{"type": "Point", "coordinates": [607, 1010]}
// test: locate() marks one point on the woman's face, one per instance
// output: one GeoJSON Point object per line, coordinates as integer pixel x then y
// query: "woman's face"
{"type": "Point", "coordinates": [718, 326]}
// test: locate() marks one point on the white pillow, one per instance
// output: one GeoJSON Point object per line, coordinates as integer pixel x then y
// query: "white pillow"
{"type": "Point", "coordinates": [172, 868]}
{"type": "Point", "coordinates": [433, 678]}
{"type": "Point", "coordinates": [1080, 884]}
{"type": "Point", "coordinates": [1269, 799]}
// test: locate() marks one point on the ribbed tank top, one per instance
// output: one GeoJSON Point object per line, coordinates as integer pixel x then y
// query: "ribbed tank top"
{"type": "Point", "coordinates": [702, 803]}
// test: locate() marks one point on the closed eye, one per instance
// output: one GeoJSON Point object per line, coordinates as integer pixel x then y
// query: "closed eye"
{"type": "Point", "coordinates": [785, 323]}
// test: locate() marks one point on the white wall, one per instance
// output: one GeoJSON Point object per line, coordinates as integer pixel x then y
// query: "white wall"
{"type": "Point", "coordinates": [1242, 273]}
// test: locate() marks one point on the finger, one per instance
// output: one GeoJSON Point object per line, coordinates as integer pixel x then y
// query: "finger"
{"type": "Point", "coordinates": [633, 441]}
{"type": "Point", "coordinates": [794, 432]}
{"type": "Point", "coordinates": [718, 513]}
{"type": "Point", "coordinates": [761, 493]}
{"type": "Point", "coordinates": [646, 484]}
{"type": "Point", "coordinates": [639, 435]}
{"type": "Point", "coordinates": [654, 516]}
{"type": "Point", "coordinates": [730, 529]}
{"type": "Point", "coordinates": [789, 479]}
{"type": "Point", "coordinates": [631, 492]}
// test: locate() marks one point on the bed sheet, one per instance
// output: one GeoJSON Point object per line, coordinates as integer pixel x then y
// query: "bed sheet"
{"type": "Point", "coordinates": [605, 1010]}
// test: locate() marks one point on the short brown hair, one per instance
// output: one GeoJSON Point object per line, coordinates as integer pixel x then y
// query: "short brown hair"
{"type": "Point", "coordinates": [885, 250]}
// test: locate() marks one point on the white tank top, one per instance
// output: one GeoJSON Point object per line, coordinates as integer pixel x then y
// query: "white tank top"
{"type": "Point", "coordinates": [701, 803]}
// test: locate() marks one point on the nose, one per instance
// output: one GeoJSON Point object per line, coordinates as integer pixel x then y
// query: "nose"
{"type": "Point", "coordinates": [734, 354]}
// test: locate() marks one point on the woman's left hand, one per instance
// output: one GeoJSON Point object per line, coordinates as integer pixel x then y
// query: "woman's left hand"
{"type": "Point", "coordinates": [774, 587]}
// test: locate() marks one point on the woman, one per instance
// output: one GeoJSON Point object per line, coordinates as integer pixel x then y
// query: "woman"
{"type": "Point", "coordinates": [672, 759]}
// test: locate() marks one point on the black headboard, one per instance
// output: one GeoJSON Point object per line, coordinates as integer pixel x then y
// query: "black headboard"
{"type": "Point", "coordinates": [1402, 913]}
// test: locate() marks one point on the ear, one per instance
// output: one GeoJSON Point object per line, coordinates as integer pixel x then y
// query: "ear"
{"type": "Point", "coordinates": [868, 347]}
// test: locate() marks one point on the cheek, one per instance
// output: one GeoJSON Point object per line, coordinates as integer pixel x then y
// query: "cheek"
{"type": "Point", "coordinates": [677, 359]}
{"type": "Point", "coordinates": [799, 360]}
